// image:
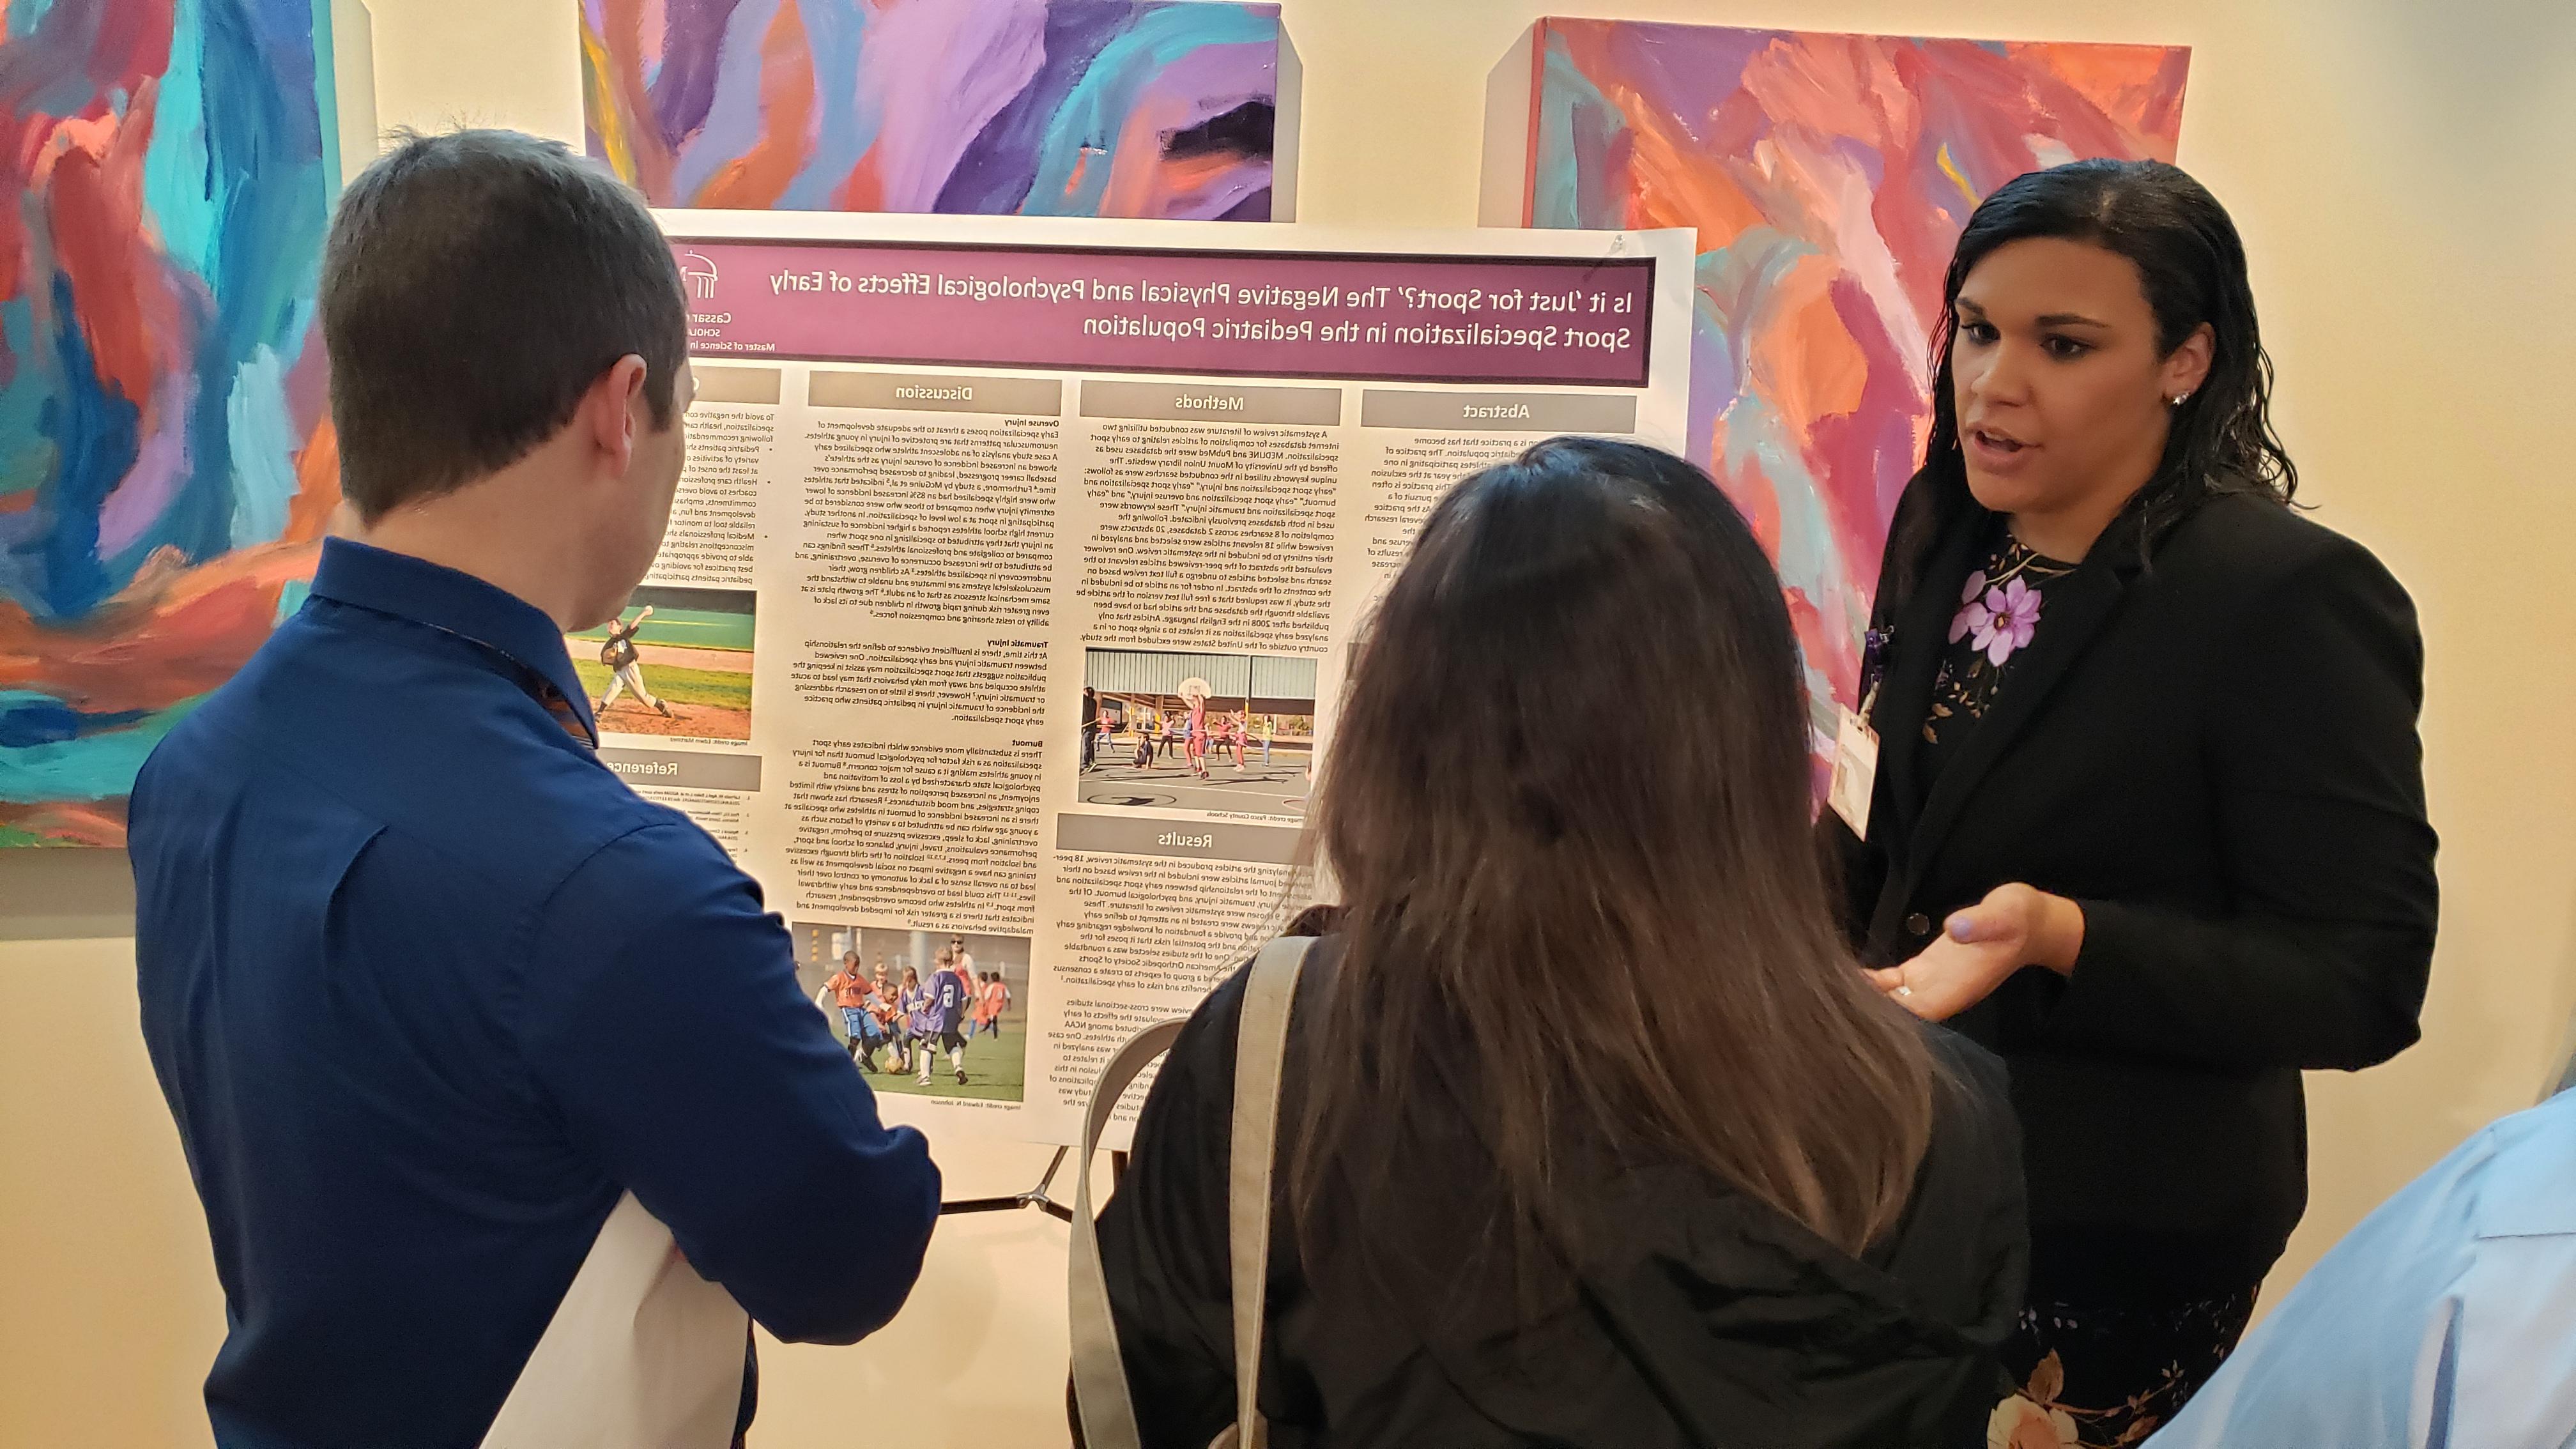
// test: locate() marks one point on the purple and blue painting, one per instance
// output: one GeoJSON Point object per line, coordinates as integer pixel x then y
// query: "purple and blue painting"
{"type": "Point", "coordinates": [1145, 109]}
{"type": "Point", "coordinates": [167, 466]}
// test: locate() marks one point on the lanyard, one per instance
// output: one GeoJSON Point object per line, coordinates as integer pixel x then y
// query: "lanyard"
{"type": "Point", "coordinates": [1873, 666]}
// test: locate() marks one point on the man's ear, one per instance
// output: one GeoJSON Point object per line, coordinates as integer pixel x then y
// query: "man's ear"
{"type": "Point", "coordinates": [608, 412]}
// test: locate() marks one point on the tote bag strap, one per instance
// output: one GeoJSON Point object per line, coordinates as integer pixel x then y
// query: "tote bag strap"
{"type": "Point", "coordinates": [1099, 1374]}
{"type": "Point", "coordinates": [1260, 1049]}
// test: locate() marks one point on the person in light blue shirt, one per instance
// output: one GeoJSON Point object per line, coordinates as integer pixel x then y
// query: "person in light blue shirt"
{"type": "Point", "coordinates": [2446, 1320]}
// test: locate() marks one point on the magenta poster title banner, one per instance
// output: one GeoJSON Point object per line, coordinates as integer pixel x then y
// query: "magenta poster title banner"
{"type": "Point", "coordinates": [1363, 317]}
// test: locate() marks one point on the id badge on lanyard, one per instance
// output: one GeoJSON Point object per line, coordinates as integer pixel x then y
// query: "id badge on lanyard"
{"type": "Point", "coordinates": [1855, 779]}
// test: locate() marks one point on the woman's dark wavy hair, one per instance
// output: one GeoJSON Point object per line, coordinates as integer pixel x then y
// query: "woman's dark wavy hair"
{"type": "Point", "coordinates": [2191, 264]}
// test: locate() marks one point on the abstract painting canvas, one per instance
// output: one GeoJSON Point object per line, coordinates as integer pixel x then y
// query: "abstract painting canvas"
{"type": "Point", "coordinates": [1829, 177]}
{"type": "Point", "coordinates": [166, 464]}
{"type": "Point", "coordinates": [1143, 109]}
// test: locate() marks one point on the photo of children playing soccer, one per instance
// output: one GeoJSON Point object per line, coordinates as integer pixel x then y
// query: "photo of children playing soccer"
{"type": "Point", "coordinates": [1218, 732]}
{"type": "Point", "coordinates": [677, 663]}
{"type": "Point", "coordinates": [925, 1013]}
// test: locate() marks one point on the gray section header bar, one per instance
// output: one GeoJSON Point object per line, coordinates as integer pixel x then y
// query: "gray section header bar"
{"type": "Point", "coordinates": [684, 769]}
{"type": "Point", "coordinates": [1032, 397]}
{"type": "Point", "coordinates": [735, 384]}
{"type": "Point", "coordinates": [1213, 402]}
{"type": "Point", "coordinates": [1498, 412]}
{"type": "Point", "coordinates": [1183, 840]}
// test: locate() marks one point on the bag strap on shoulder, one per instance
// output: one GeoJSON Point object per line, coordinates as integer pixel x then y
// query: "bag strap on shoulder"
{"type": "Point", "coordinates": [1099, 1373]}
{"type": "Point", "coordinates": [1260, 1049]}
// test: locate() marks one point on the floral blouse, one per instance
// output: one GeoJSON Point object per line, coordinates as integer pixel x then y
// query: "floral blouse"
{"type": "Point", "coordinates": [1999, 614]}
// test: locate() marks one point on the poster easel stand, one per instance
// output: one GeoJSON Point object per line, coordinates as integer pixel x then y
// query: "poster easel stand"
{"type": "Point", "coordinates": [1035, 1197]}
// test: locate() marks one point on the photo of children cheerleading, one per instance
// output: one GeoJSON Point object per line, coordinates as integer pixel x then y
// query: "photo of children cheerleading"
{"type": "Point", "coordinates": [931, 1013]}
{"type": "Point", "coordinates": [1225, 733]}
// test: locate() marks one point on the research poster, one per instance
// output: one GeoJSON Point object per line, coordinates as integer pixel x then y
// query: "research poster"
{"type": "Point", "coordinates": [1009, 587]}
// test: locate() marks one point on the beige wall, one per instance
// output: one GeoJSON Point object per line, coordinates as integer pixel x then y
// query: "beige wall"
{"type": "Point", "coordinates": [2400, 171]}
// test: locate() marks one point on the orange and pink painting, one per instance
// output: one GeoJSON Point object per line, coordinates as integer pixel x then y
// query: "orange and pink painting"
{"type": "Point", "coordinates": [1829, 177]}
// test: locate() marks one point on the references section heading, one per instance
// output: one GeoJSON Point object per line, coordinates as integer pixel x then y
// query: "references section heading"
{"type": "Point", "coordinates": [1543, 320]}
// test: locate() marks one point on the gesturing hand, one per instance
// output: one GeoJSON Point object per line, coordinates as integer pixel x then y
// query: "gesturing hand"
{"type": "Point", "coordinates": [2013, 927]}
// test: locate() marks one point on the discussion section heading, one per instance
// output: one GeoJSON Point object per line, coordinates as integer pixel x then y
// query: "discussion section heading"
{"type": "Point", "coordinates": [1574, 322]}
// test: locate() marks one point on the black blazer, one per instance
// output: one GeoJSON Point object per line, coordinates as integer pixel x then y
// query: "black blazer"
{"type": "Point", "coordinates": [1691, 1316]}
{"type": "Point", "coordinates": [2215, 753]}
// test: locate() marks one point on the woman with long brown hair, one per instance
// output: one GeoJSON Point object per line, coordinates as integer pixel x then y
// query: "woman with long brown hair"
{"type": "Point", "coordinates": [1592, 1132]}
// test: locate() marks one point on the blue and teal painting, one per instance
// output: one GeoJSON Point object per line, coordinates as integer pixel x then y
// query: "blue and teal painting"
{"type": "Point", "coordinates": [166, 461]}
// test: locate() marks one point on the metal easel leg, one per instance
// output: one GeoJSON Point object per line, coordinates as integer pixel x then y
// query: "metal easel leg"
{"type": "Point", "coordinates": [1035, 1197]}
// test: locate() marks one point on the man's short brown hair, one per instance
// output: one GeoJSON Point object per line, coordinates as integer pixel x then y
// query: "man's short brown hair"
{"type": "Point", "coordinates": [476, 284]}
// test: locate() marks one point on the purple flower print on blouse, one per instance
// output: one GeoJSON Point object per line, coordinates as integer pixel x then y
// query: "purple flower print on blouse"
{"type": "Point", "coordinates": [2011, 617]}
{"type": "Point", "coordinates": [1997, 617]}
{"type": "Point", "coordinates": [1972, 615]}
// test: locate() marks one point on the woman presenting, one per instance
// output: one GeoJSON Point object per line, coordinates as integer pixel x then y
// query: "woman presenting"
{"type": "Point", "coordinates": [2148, 809]}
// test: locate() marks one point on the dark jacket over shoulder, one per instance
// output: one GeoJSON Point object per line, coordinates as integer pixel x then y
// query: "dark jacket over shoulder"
{"type": "Point", "coordinates": [2215, 754]}
{"type": "Point", "coordinates": [1688, 1314]}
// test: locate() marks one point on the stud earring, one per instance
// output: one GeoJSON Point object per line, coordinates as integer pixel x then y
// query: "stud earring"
{"type": "Point", "coordinates": [2180, 398]}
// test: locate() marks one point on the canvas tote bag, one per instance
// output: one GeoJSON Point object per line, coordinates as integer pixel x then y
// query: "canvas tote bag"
{"type": "Point", "coordinates": [641, 1354]}
{"type": "Point", "coordinates": [1099, 1375]}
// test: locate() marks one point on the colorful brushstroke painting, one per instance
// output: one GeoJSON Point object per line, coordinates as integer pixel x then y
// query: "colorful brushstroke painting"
{"type": "Point", "coordinates": [1829, 177]}
{"type": "Point", "coordinates": [1142, 109]}
{"type": "Point", "coordinates": [166, 463]}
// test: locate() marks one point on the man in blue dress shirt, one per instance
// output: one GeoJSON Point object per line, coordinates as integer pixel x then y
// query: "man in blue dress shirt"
{"type": "Point", "coordinates": [2446, 1320]}
{"type": "Point", "coordinates": [428, 988]}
